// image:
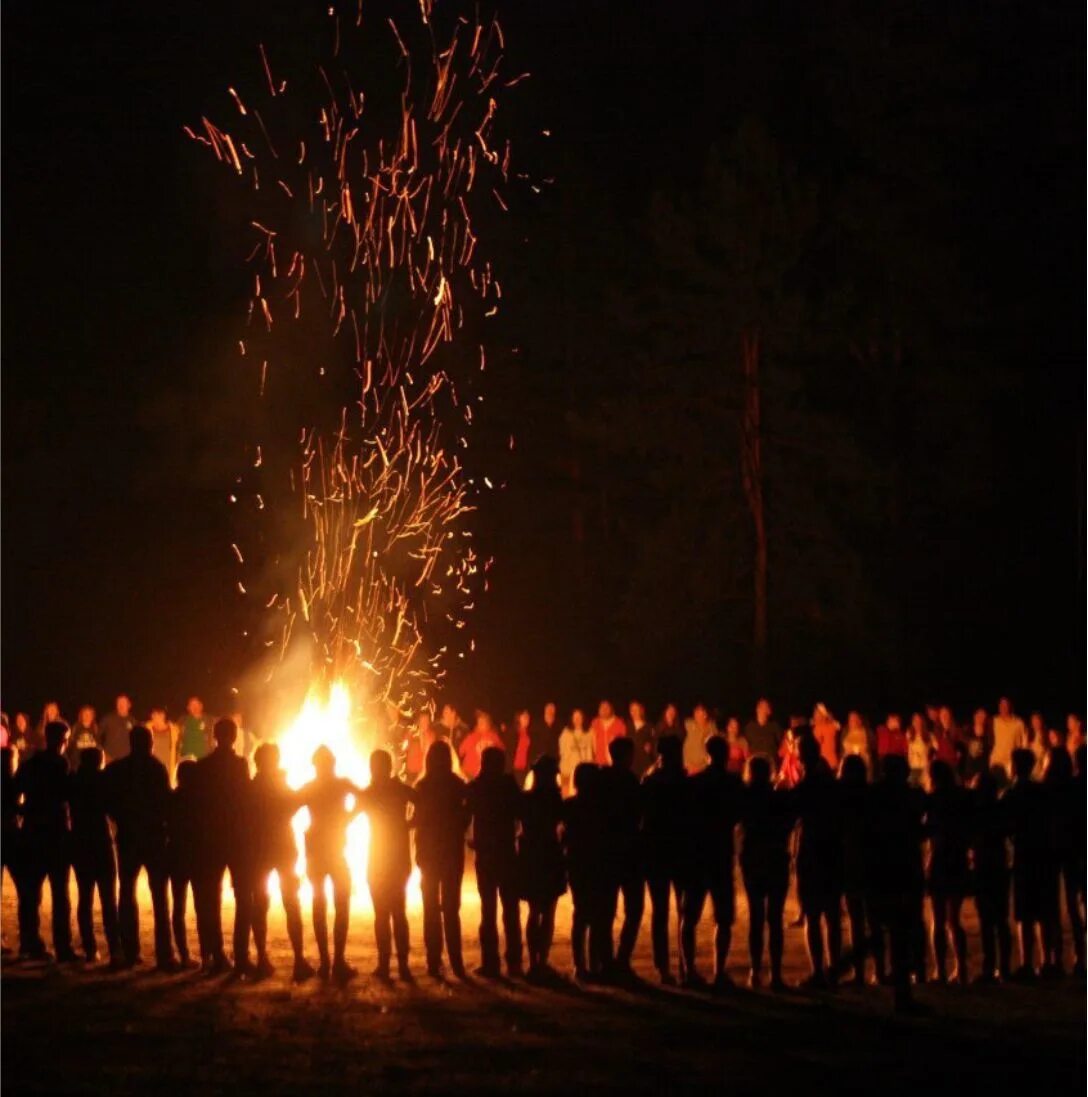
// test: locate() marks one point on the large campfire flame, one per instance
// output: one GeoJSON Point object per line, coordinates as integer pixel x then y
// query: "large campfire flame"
{"type": "Point", "coordinates": [327, 720]}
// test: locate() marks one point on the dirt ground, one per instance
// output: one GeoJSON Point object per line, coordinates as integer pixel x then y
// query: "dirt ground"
{"type": "Point", "coordinates": [86, 1030]}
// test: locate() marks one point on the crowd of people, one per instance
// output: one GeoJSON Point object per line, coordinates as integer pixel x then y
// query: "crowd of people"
{"type": "Point", "coordinates": [867, 823]}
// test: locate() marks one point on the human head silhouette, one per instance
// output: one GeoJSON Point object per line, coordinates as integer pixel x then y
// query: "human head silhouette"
{"type": "Point", "coordinates": [585, 778]}
{"type": "Point", "coordinates": [622, 752]}
{"type": "Point", "coordinates": [896, 771]}
{"type": "Point", "coordinates": [717, 750]}
{"type": "Point", "coordinates": [381, 766]}
{"type": "Point", "coordinates": [139, 741]}
{"type": "Point", "coordinates": [670, 750]}
{"type": "Point", "coordinates": [266, 759]}
{"type": "Point", "coordinates": [492, 762]}
{"type": "Point", "coordinates": [759, 772]}
{"type": "Point", "coordinates": [90, 759]}
{"type": "Point", "coordinates": [941, 776]}
{"type": "Point", "coordinates": [224, 733]}
{"type": "Point", "coordinates": [853, 772]}
{"type": "Point", "coordinates": [186, 772]}
{"type": "Point", "coordinates": [56, 731]}
{"type": "Point", "coordinates": [545, 772]}
{"type": "Point", "coordinates": [324, 762]}
{"type": "Point", "coordinates": [439, 758]}
{"type": "Point", "coordinates": [1023, 762]}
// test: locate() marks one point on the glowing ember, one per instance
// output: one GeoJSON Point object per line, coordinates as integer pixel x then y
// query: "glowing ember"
{"type": "Point", "coordinates": [365, 335]}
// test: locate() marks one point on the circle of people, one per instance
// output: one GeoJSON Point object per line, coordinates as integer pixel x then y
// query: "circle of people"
{"type": "Point", "coordinates": [868, 822]}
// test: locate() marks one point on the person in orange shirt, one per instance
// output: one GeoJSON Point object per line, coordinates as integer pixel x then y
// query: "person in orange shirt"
{"type": "Point", "coordinates": [605, 728]}
{"type": "Point", "coordinates": [825, 730]}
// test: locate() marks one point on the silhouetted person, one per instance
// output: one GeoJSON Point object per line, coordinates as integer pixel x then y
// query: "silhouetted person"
{"type": "Point", "coordinates": [865, 932]}
{"type": "Point", "coordinates": [42, 783]}
{"type": "Point", "coordinates": [714, 805]}
{"type": "Point", "coordinates": [92, 856]}
{"type": "Point", "coordinates": [548, 731]}
{"type": "Point", "coordinates": [1075, 870]}
{"type": "Point", "coordinates": [11, 838]}
{"type": "Point", "coordinates": [767, 820]}
{"type": "Point", "coordinates": [896, 876]}
{"type": "Point", "coordinates": [666, 844]}
{"type": "Point", "coordinates": [991, 863]}
{"type": "Point", "coordinates": [1034, 864]}
{"type": "Point", "coordinates": [389, 863]}
{"type": "Point", "coordinates": [137, 795]}
{"type": "Point", "coordinates": [272, 807]}
{"type": "Point", "coordinates": [1067, 822]}
{"type": "Point", "coordinates": [326, 840]}
{"type": "Point", "coordinates": [621, 795]}
{"type": "Point", "coordinates": [540, 858]}
{"type": "Point", "coordinates": [819, 861]}
{"type": "Point", "coordinates": [441, 820]}
{"type": "Point", "coordinates": [221, 787]}
{"type": "Point", "coordinates": [585, 848]}
{"type": "Point", "coordinates": [948, 820]}
{"type": "Point", "coordinates": [183, 838]}
{"type": "Point", "coordinates": [494, 802]}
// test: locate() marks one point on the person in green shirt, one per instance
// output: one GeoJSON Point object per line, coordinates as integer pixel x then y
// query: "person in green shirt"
{"type": "Point", "coordinates": [193, 741]}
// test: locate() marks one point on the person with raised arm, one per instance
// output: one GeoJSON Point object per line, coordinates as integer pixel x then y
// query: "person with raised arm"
{"type": "Point", "coordinates": [388, 802]}
{"type": "Point", "coordinates": [272, 807]}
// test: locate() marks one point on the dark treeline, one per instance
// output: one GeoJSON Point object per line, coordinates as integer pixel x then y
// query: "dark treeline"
{"type": "Point", "coordinates": [848, 201]}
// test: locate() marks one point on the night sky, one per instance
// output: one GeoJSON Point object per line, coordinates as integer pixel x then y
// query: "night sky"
{"type": "Point", "coordinates": [121, 301]}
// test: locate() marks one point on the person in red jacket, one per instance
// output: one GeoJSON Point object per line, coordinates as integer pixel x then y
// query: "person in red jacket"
{"type": "Point", "coordinates": [891, 738]}
{"type": "Point", "coordinates": [482, 736]}
{"type": "Point", "coordinates": [605, 728]}
{"type": "Point", "coordinates": [946, 737]}
{"type": "Point", "coordinates": [523, 745]}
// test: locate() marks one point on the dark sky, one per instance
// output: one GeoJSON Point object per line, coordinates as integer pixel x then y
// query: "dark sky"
{"type": "Point", "coordinates": [119, 297]}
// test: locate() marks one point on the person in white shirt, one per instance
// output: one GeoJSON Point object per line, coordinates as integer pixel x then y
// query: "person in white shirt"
{"type": "Point", "coordinates": [575, 746]}
{"type": "Point", "coordinates": [1009, 735]}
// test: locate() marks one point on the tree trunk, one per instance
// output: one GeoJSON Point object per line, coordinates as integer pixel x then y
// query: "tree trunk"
{"type": "Point", "coordinates": [752, 472]}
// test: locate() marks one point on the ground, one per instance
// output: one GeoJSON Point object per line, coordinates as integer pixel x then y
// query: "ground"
{"type": "Point", "coordinates": [85, 1030]}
